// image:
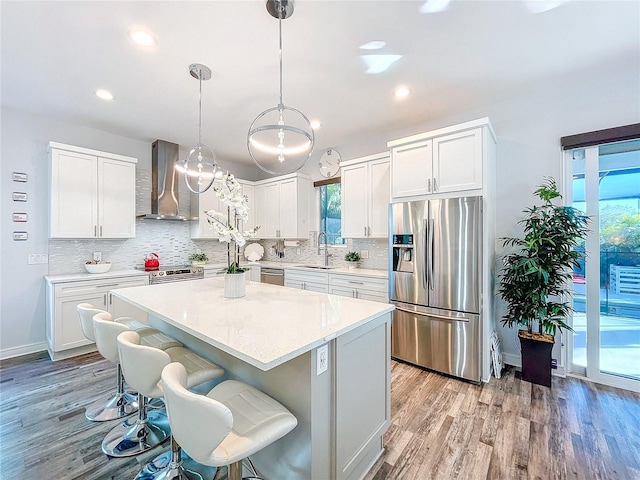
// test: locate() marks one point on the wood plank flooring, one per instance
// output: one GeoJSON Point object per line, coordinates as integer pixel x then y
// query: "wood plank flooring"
{"type": "Point", "coordinates": [441, 427]}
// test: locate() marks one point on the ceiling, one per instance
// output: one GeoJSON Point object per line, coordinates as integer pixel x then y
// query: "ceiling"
{"type": "Point", "coordinates": [56, 54]}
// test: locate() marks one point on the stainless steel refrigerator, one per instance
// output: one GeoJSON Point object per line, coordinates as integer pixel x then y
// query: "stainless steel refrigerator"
{"type": "Point", "coordinates": [435, 264]}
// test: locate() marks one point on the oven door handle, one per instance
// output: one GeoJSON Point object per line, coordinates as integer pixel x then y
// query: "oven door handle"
{"type": "Point", "coordinates": [272, 274]}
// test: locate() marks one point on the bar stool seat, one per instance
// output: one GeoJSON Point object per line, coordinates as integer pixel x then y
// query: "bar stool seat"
{"type": "Point", "coordinates": [142, 367]}
{"type": "Point", "coordinates": [118, 404]}
{"type": "Point", "coordinates": [233, 421]}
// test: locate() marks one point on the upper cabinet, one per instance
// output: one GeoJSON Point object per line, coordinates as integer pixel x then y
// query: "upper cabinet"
{"type": "Point", "coordinates": [92, 194]}
{"type": "Point", "coordinates": [443, 161]}
{"type": "Point", "coordinates": [282, 206]}
{"type": "Point", "coordinates": [365, 196]}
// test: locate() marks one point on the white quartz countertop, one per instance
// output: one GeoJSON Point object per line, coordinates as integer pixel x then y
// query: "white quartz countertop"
{"type": "Point", "coordinates": [267, 327]}
{"type": "Point", "coordinates": [83, 276]}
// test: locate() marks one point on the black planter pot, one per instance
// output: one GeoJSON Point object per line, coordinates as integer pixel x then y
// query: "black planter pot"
{"type": "Point", "coordinates": [536, 360]}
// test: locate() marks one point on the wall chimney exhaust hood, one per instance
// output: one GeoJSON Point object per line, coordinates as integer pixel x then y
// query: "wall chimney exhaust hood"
{"type": "Point", "coordinates": [164, 183]}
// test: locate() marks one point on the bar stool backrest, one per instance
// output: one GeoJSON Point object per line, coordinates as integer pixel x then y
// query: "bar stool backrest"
{"type": "Point", "coordinates": [142, 366]}
{"type": "Point", "coordinates": [86, 312]}
{"type": "Point", "coordinates": [198, 423]}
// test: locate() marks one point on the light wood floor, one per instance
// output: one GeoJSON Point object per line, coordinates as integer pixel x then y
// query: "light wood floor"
{"type": "Point", "coordinates": [441, 427]}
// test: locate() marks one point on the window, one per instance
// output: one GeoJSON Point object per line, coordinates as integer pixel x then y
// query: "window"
{"type": "Point", "coordinates": [330, 213]}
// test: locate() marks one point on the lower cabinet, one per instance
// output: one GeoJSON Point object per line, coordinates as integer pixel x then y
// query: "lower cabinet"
{"type": "Point", "coordinates": [254, 273]}
{"type": "Point", "coordinates": [357, 286]}
{"type": "Point", "coordinates": [313, 281]}
{"type": "Point", "coordinates": [64, 333]}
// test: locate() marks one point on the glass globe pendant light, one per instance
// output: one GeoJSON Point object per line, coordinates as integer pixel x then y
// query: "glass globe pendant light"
{"type": "Point", "coordinates": [280, 139]}
{"type": "Point", "coordinates": [200, 168]}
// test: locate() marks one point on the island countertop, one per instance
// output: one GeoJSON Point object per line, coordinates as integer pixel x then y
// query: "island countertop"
{"type": "Point", "coordinates": [267, 327]}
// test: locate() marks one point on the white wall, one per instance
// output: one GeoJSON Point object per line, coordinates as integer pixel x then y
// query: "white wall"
{"type": "Point", "coordinates": [528, 122]}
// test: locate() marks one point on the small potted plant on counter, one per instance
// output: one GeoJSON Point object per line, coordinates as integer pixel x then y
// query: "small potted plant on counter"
{"type": "Point", "coordinates": [198, 259]}
{"type": "Point", "coordinates": [353, 258]}
{"type": "Point", "coordinates": [536, 279]}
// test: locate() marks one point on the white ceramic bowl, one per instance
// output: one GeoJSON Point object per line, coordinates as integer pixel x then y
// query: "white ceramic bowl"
{"type": "Point", "coordinates": [98, 267]}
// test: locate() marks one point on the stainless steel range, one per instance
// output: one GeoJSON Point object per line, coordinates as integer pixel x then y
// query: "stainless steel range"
{"type": "Point", "coordinates": [175, 274]}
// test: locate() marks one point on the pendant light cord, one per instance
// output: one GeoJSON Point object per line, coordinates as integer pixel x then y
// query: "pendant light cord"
{"type": "Point", "coordinates": [200, 107]}
{"type": "Point", "coordinates": [280, 45]}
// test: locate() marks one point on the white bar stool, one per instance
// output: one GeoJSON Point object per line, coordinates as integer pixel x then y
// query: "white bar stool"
{"type": "Point", "coordinates": [119, 404]}
{"type": "Point", "coordinates": [240, 420]}
{"type": "Point", "coordinates": [142, 366]}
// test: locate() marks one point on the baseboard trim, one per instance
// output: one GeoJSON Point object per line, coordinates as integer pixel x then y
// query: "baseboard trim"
{"type": "Point", "coordinates": [516, 361]}
{"type": "Point", "coordinates": [23, 350]}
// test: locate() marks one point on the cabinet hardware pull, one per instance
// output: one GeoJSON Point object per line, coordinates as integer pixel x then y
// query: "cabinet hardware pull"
{"type": "Point", "coordinates": [365, 231]}
{"type": "Point", "coordinates": [353, 294]}
{"type": "Point", "coordinates": [429, 185]}
{"type": "Point", "coordinates": [368, 231]}
{"type": "Point", "coordinates": [104, 300]}
{"type": "Point", "coordinates": [101, 230]}
{"type": "Point", "coordinates": [109, 285]}
{"type": "Point", "coordinates": [110, 299]}
{"type": "Point", "coordinates": [357, 283]}
{"type": "Point", "coordinates": [435, 185]}
{"type": "Point", "coordinates": [95, 230]}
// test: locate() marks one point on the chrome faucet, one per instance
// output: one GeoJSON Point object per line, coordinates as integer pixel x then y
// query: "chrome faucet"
{"type": "Point", "coordinates": [326, 248]}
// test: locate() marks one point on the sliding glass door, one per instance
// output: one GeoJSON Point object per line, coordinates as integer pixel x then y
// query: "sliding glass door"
{"type": "Point", "coordinates": [605, 183]}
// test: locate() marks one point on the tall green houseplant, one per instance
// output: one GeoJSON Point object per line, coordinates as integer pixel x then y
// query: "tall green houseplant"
{"type": "Point", "coordinates": [536, 278]}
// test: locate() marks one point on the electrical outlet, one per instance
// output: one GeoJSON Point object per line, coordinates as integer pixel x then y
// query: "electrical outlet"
{"type": "Point", "coordinates": [364, 253]}
{"type": "Point", "coordinates": [322, 359]}
{"type": "Point", "coordinates": [97, 256]}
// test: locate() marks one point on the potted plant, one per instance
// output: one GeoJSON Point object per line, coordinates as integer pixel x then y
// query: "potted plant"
{"type": "Point", "coordinates": [198, 258]}
{"type": "Point", "coordinates": [353, 258]}
{"type": "Point", "coordinates": [227, 225]}
{"type": "Point", "coordinates": [536, 278]}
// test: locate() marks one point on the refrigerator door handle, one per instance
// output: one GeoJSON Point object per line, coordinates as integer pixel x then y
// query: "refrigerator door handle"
{"type": "Point", "coordinates": [430, 240]}
{"type": "Point", "coordinates": [425, 253]}
{"type": "Point", "coordinates": [433, 315]}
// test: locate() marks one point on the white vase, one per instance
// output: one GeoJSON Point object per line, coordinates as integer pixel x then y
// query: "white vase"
{"type": "Point", "coordinates": [234, 285]}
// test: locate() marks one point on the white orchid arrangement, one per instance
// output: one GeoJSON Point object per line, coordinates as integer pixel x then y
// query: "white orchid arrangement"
{"type": "Point", "coordinates": [227, 224]}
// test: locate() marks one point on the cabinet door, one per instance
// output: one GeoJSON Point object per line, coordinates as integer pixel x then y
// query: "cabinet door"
{"type": "Point", "coordinates": [293, 284]}
{"type": "Point", "coordinates": [271, 225]}
{"type": "Point", "coordinates": [288, 208]}
{"type": "Point", "coordinates": [249, 192]}
{"type": "Point", "coordinates": [206, 201]}
{"type": "Point", "coordinates": [67, 330]}
{"type": "Point", "coordinates": [457, 161]}
{"type": "Point", "coordinates": [354, 200]}
{"type": "Point", "coordinates": [411, 169]}
{"type": "Point", "coordinates": [116, 199]}
{"type": "Point", "coordinates": [254, 274]}
{"type": "Point", "coordinates": [73, 195]}
{"type": "Point", "coordinates": [373, 296]}
{"type": "Point", "coordinates": [259, 204]}
{"type": "Point", "coordinates": [379, 198]}
{"type": "Point", "coordinates": [316, 287]}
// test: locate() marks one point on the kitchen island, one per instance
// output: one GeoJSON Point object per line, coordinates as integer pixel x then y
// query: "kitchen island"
{"type": "Point", "coordinates": [273, 338]}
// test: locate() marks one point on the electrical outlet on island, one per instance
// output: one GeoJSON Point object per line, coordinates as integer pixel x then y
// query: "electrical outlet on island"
{"type": "Point", "coordinates": [322, 359]}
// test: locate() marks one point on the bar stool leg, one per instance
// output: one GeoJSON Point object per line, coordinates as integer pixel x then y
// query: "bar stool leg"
{"type": "Point", "coordinates": [112, 406]}
{"type": "Point", "coordinates": [175, 465]}
{"type": "Point", "coordinates": [137, 435]}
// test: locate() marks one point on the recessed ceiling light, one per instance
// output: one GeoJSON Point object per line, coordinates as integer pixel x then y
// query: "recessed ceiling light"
{"type": "Point", "coordinates": [315, 124]}
{"type": "Point", "coordinates": [379, 63]}
{"type": "Point", "coordinates": [402, 92]}
{"type": "Point", "coordinates": [143, 38]}
{"type": "Point", "coordinates": [375, 45]}
{"type": "Point", "coordinates": [104, 94]}
{"type": "Point", "coordinates": [434, 6]}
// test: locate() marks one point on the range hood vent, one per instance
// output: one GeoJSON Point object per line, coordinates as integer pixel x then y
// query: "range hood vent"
{"type": "Point", "coordinates": [164, 183]}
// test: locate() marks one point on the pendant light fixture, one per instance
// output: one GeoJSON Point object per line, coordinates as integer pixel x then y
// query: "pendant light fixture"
{"type": "Point", "coordinates": [200, 168]}
{"type": "Point", "coordinates": [280, 139]}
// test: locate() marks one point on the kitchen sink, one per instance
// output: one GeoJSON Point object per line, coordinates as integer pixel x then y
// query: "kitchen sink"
{"type": "Point", "coordinates": [320, 267]}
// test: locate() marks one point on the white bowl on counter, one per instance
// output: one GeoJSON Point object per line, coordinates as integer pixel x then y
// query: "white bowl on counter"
{"type": "Point", "coordinates": [98, 267]}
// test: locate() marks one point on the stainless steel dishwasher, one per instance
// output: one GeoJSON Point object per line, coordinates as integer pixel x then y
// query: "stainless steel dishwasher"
{"type": "Point", "coordinates": [274, 276]}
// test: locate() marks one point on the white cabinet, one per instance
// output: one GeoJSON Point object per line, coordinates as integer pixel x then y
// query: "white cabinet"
{"type": "Point", "coordinates": [443, 161]}
{"type": "Point", "coordinates": [254, 273]}
{"type": "Point", "coordinates": [92, 194]}
{"type": "Point", "coordinates": [358, 286]}
{"type": "Point", "coordinates": [365, 197]}
{"type": "Point", "coordinates": [282, 206]}
{"type": "Point", "coordinates": [248, 190]}
{"type": "Point", "coordinates": [303, 280]}
{"type": "Point", "coordinates": [64, 333]}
